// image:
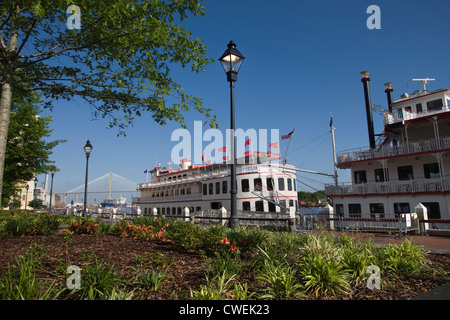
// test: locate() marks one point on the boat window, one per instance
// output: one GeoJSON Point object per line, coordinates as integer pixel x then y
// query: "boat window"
{"type": "Point", "coordinates": [360, 176]}
{"type": "Point", "coordinates": [291, 203]}
{"type": "Point", "coordinates": [217, 187]}
{"type": "Point", "coordinates": [281, 184]}
{"type": "Point", "coordinates": [272, 207]}
{"type": "Point", "coordinates": [434, 105]}
{"type": "Point", "coordinates": [168, 211]}
{"type": "Point", "coordinates": [174, 211]}
{"type": "Point", "coordinates": [211, 188]}
{"type": "Point", "coordinates": [433, 210]}
{"type": "Point", "coordinates": [198, 208]}
{"type": "Point", "coordinates": [257, 182]}
{"type": "Point", "coordinates": [379, 175]}
{"type": "Point", "coordinates": [269, 182]}
{"type": "Point", "coordinates": [259, 206]}
{"type": "Point", "coordinates": [245, 185]}
{"type": "Point", "coordinates": [431, 170]}
{"type": "Point", "coordinates": [289, 181]}
{"type": "Point", "coordinates": [401, 207]}
{"type": "Point", "coordinates": [205, 189]}
{"type": "Point", "coordinates": [224, 187]}
{"type": "Point", "coordinates": [377, 210]}
{"type": "Point", "coordinates": [179, 211]}
{"type": "Point", "coordinates": [188, 190]}
{"type": "Point", "coordinates": [163, 211]}
{"type": "Point", "coordinates": [246, 205]}
{"type": "Point", "coordinates": [354, 210]}
{"type": "Point", "coordinates": [145, 210]}
{"type": "Point", "coordinates": [405, 173]}
{"type": "Point", "coordinates": [216, 205]}
{"type": "Point", "coordinates": [419, 108]}
{"type": "Point", "coordinates": [340, 210]}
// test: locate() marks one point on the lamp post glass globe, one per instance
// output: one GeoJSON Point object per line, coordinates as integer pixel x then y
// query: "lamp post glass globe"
{"type": "Point", "coordinates": [88, 148]}
{"type": "Point", "coordinates": [231, 61]}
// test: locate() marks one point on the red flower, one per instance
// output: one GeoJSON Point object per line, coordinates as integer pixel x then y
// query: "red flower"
{"type": "Point", "coordinates": [225, 241]}
{"type": "Point", "coordinates": [233, 247]}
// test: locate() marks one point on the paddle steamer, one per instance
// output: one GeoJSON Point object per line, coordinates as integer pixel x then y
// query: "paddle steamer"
{"type": "Point", "coordinates": [406, 167]}
{"type": "Point", "coordinates": [263, 185]}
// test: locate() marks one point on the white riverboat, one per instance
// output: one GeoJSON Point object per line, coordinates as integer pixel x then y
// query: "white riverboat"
{"type": "Point", "coordinates": [408, 166]}
{"type": "Point", "coordinates": [263, 185]}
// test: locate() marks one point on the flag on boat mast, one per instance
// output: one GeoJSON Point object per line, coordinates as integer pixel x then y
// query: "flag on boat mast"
{"type": "Point", "coordinates": [287, 136]}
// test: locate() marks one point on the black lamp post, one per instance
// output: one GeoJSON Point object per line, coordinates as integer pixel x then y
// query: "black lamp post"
{"type": "Point", "coordinates": [26, 197]}
{"type": "Point", "coordinates": [34, 194]}
{"type": "Point", "coordinates": [87, 150]}
{"type": "Point", "coordinates": [51, 193]}
{"type": "Point", "coordinates": [231, 61]}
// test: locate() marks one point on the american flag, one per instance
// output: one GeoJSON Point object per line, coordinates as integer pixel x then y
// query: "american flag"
{"type": "Point", "coordinates": [288, 136]}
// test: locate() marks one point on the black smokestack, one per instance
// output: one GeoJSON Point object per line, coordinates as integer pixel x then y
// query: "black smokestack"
{"type": "Point", "coordinates": [365, 80]}
{"type": "Point", "coordinates": [389, 94]}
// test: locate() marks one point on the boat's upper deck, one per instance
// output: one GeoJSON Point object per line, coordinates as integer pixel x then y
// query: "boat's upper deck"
{"type": "Point", "coordinates": [419, 105]}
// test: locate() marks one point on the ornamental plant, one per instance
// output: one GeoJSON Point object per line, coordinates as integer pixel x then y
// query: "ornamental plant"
{"type": "Point", "coordinates": [84, 227]}
{"type": "Point", "coordinates": [142, 232]}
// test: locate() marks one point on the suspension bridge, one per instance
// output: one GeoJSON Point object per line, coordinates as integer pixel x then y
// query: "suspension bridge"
{"type": "Point", "coordinates": [108, 186]}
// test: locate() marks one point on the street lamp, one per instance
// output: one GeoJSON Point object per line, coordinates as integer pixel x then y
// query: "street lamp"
{"type": "Point", "coordinates": [51, 193]}
{"type": "Point", "coordinates": [231, 61]}
{"type": "Point", "coordinates": [87, 150]}
{"type": "Point", "coordinates": [34, 194]}
{"type": "Point", "coordinates": [26, 197]}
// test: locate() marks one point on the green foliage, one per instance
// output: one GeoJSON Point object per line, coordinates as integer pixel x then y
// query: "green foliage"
{"type": "Point", "coordinates": [311, 196]}
{"type": "Point", "coordinates": [119, 61]}
{"type": "Point", "coordinates": [188, 237]}
{"type": "Point", "coordinates": [23, 283]}
{"type": "Point", "coordinates": [45, 224]}
{"type": "Point", "coordinates": [403, 260]}
{"type": "Point", "coordinates": [323, 276]}
{"type": "Point", "coordinates": [280, 281]}
{"type": "Point", "coordinates": [150, 279]}
{"type": "Point", "coordinates": [99, 280]}
{"type": "Point", "coordinates": [27, 145]}
{"type": "Point", "coordinates": [17, 226]}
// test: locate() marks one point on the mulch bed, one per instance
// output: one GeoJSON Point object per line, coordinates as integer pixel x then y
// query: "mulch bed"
{"type": "Point", "coordinates": [187, 269]}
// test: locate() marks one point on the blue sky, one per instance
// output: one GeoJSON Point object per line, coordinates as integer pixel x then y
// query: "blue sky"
{"type": "Point", "coordinates": [303, 60]}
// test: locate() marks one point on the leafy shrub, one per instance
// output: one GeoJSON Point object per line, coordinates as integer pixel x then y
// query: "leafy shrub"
{"type": "Point", "coordinates": [188, 237]}
{"type": "Point", "coordinates": [280, 279]}
{"type": "Point", "coordinates": [402, 259]}
{"type": "Point", "coordinates": [17, 226]}
{"type": "Point", "coordinates": [142, 232]}
{"type": "Point", "coordinates": [85, 226]}
{"type": "Point", "coordinates": [44, 225]}
{"type": "Point", "coordinates": [323, 276]}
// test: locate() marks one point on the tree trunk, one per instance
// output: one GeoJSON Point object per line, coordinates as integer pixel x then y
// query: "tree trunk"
{"type": "Point", "coordinates": [7, 91]}
{"type": "Point", "coordinates": [5, 110]}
